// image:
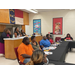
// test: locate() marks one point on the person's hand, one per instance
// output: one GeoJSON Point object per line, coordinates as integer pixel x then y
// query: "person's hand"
{"type": "Point", "coordinates": [33, 50]}
{"type": "Point", "coordinates": [40, 48]}
{"type": "Point", "coordinates": [53, 42]}
{"type": "Point", "coordinates": [9, 32]}
{"type": "Point", "coordinates": [45, 60]}
{"type": "Point", "coordinates": [45, 55]}
{"type": "Point", "coordinates": [20, 35]}
{"type": "Point", "coordinates": [34, 43]}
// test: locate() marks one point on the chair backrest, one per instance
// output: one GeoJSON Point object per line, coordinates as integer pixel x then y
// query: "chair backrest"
{"type": "Point", "coordinates": [57, 39]}
{"type": "Point", "coordinates": [39, 43]}
{"type": "Point", "coordinates": [16, 53]}
{"type": "Point", "coordinates": [62, 39]}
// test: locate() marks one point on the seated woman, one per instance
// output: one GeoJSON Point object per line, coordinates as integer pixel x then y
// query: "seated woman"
{"type": "Point", "coordinates": [15, 35]}
{"type": "Point", "coordinates": [23, 33]}
{"type": "Point", "coordinates": [34, 43]}
{"type": "Point", "coordinates": [38, 58]}
{"type": "Point", "coordinates": [44, 42]}
{"type": "Point", "coordinates": [5, 34]}
{"type": "Point", "coordinates": [17, 32]}
{"type": "Point", "coordinates": [48, 37]}
{"type": "Point", "coordinates": [68, 37]}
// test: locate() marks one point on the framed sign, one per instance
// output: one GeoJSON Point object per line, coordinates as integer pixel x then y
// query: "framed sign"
{"type": "Point", "coordinates": [57, 26]}
{"type": "Point", "coordinates": [37, 26]}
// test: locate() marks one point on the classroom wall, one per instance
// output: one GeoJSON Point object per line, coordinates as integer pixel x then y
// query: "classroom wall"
{"type": "Point", "coordinates": [46, 21]}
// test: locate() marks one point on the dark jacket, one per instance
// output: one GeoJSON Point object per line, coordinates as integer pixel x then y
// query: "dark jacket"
{"type": "Point", "coordinates": [4, 35]}
{"type": "Point", "coordinates": [23, 34]}
{"type": "Point", "coordinates": [70, 37]}
{"type": "Point", "coordinates": [18, 33]}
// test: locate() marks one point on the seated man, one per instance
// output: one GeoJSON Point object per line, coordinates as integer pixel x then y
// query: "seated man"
{"type": "Point", "coordinates": [44, 42]}
{"type": "Point", "coordinates": [25, 51]}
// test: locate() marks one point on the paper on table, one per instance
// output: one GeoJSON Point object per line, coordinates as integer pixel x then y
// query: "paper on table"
{"type": "Point", "coordinates": [68, 40]}
{"type": "Point", "coordinates": [48, 53]}
{"type": "Point", "coordinates": [52, 48]}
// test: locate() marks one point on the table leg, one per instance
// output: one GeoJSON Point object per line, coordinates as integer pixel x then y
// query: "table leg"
{"type": "Point", "coordinates": [70, 49]}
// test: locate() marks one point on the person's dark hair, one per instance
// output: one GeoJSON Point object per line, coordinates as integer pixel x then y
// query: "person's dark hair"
{"type": "Point", "coordinates": [32, 37]}
{"type": "Point", "coordinates": [21, 31]}
{"type": "Point", "coordinates": [25, 39]}
{"type": "Point", "coordinates": [34, 34]}
{"type": "Point", "coordinates": [68, 34]}
{"type": "Point", "coordinates": [15, 28]}
{"type": "Point", "coordinates": [47, 35]}
{"type": "Point", "coordinates": [5, 30]}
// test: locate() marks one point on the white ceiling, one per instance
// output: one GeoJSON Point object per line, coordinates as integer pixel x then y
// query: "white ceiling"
{"type": "Point", "coordinates": [44, 10]}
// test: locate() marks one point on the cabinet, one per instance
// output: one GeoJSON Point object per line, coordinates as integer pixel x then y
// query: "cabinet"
{"type": "Point", "coordinates": [26, 18]}
{"type": "Point", "coordinates": [23, 27]}
{"type": "Point", "coordinates": [4, 16]}
{"type": "Point", "coordinates": [2, 27]}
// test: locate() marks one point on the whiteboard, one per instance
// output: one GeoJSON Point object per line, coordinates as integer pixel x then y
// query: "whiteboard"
{"type": "Point", "coordinates": [27, 29]}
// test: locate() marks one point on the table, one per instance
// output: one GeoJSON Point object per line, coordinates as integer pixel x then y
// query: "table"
{"type": "Point", "coordinates": [11, 43]}
{"type": "Point", "coordinates": [60, 52]}
{"type": "Point", "coordinates": [60, 63]}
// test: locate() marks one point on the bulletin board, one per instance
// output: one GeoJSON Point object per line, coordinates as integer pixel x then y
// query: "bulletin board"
{"type": "Point", "coordinates": [37, 26]}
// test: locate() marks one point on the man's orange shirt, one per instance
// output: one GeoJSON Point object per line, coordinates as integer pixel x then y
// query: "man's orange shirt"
{"type": "Point", "coordinates": [24, 49]}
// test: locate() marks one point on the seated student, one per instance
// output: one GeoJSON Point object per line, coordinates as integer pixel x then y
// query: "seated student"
{"type": "Point", "coordinates": [25, 50]}
{"type": "Point", "coordinates": [23, 33]}
{"type": "Point", "coordinates": [34, 43]}
{"type": "Point", "coordinates": [68, 37]}
{"type": "Point", "coordinates": [5, 34]}
{"type": "Point", "coordinates": [44, 42]}
{"type": "Point", "coordinates": [48, 37]}
{"type": "Point", "coordinates": [38, 58]}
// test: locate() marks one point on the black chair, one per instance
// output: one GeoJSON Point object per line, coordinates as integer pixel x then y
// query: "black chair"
{"type": "Point", "coordinates": [62, 39]}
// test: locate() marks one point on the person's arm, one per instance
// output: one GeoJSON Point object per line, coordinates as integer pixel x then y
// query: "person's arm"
{"type": "Point", "coordinates": [52, 41]}
{"type": "Point", "coordinates": [32, 48]}
{"type": "Point", "coordinates": [10, 36]}
{"type": "Point", "coordinates": [71, 38]}
{"type": "Point", "coordinates": [20, 34]}
{"type": "Point", "coordinates": [25, 33]}
{"type": "Point", "coordinates": [26, 56]}
{"type": "Point", "coordinates": [4, 35]}
{"type": "Point", "coordinates": [41, 44]}
{"type": "Point", "coordinates": [22, 52]}
{"type": "Point", "coordinates": [65, 38]}
{"type": "Point", "coordinates": [40, 48]}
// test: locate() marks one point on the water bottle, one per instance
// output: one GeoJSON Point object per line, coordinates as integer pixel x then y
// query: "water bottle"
{"type": "Point", "coordinates": [13, 36]}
